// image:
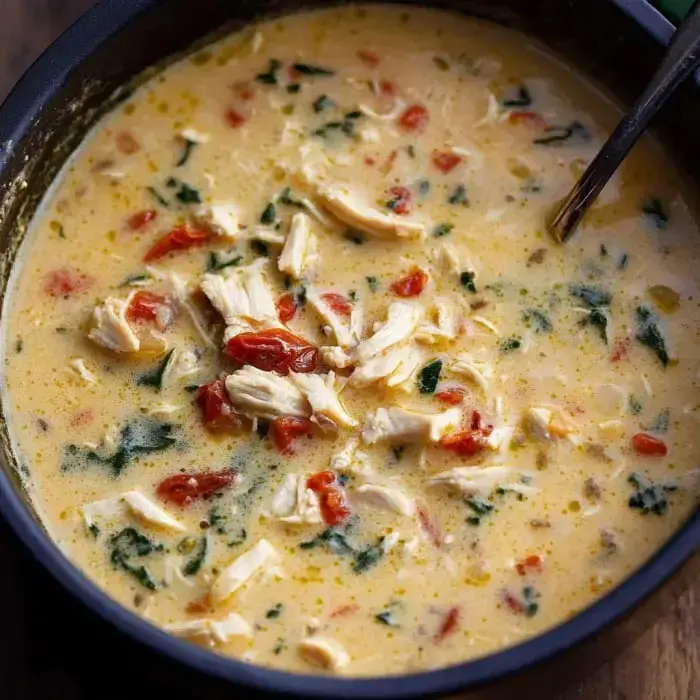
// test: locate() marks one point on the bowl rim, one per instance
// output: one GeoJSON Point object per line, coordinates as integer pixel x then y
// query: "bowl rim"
{"type": "Point", "coordinates": [41, 82]}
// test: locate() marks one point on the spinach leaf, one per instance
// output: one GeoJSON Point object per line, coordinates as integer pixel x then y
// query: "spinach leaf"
{"type": "Point", "coordinates": [554, 134]}
{"type": "Point", "coordinates": [442, 230]}
{"type": "Point", "coordinates": [423, 187]}
{"type": "Point", "coordinates": [154, 377]}
{"type": "Point", "coordinates": [593, 297]}
{"type": "Point", "coordinates": [333, 539]}
{"type": "Point", "coordinates": [523, 98]}
{"type": "Point", "coordinates": [429, 377]}
{"type": "Point", "coordinates": [216, 261]}
{"type": "Point", "coordinates": [510, 344]}
{"type": "Point", "coordinates": [466, 279]}
{"type": "Point", "coordinates": [274, 612]}
{"type": "Point", "coordinates": [654, 211]}
{"type": "Point", "coordinates": [293, 88]}
{"type": "Point", "coordinates": [187, 194]}
{"type": "Point", "coordinates": [372, 283]}
{"type": "Point", "coordinates": [285, 197]}
{"type": "Point", "coordinates": [369, 557]}
{"type": "Point", "coordinates": [356, 237]}
{"type": "Point", "coordinates": [346, 126]}
{"type": "Point", "coordinates": [195, 563]}
{"type": "Point", "coordinates": [623, 262]}
{"type": "Point", "coordinates": [481, 508]}
{"type": "Point", "coordinates": [649, 333]}
{"type": "Point", "coordinates": [634, 405]}
{"type": "Point", "coordinates": [128, 544]}
{"type": "Point", "coordinates": [459, 196]}
{"type": "Point", "coordinates": [386, 617]}
{"type": "Point", "coordinates": [538, 320]}
{"type": "Point", "coordinates": [135, 280]}
{"type": "Point", "coordinates": [158, 197]}
{"type": "Point", "coordinates": [322, 103]}
{"type": "Point", "coordinates": [530, 596]}
{"type": "Point", "coordinates": [660, 423]}
{"type": "Point", "coordinates": [269, 215]}
{"type": "Point", "coordinates": [270, 77]}
{"type": "Point", "coordinates": [649, 497]}
{"type": "Point", "coordinates": [259, 248]}
{"type": "Point", "coordinates": [188, 147]}
{"type": "Point", "coordinates": [307, 69]}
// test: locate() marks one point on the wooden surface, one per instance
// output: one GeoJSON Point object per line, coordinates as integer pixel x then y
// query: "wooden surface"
{"type": "Point", "coordinates": [53, 648]}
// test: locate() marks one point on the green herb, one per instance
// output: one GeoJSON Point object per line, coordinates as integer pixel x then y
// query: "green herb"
{"type": "Point", "coordinates": [649, 497]}
{"type": "Point", "coordinates": [352, 295]}
{"type": "Point", "coordinates": [158, 196]}
{"type": "Point", "coordinates": [660, 423]}
{"type": "Point", "coordinates": [554, 134]}
{"type": "Point", "coordinates": [307, 69]}
{"type": "Point", "coordinates": [322, 103]}
{"type": "Point", "coordinates": [623, 261]}
{"type": "Point", "coordinates": [442, 230]}
{"type": "Point", "coordinates": [94, 530]}
{"type": "Point", "coordinates": [356, 237]}
{"type": "Point", "coordinates": [634, 406]}
{"type": "Point", "coordinates": [154, 377]}
{"type": "Point", "coordinates": [510, 344]}
{"type": "Point", "coordinates": [649, 333]}
{"type": "Point", "coordinates": [285, 197]}
{"type": "Point", "coordinates": [538, 319]}
{"type": "Point", "coordinates": [655, 212]}
{"type": "Point", "coordinates": [593, 297]}
{"type": "Point", "coordinates": [523, 98]}
{"type": "Point", "coordinates": [19, 345]}
{"type": "Point", "coordinates": [269, 215]}
{"type": "Point", "coordinates": [136, 438]}
{"type": "Point", "coordinates": [386, 617]}
{"type": "Point", "coordinates": [128, 544]}
{"type": "Point", "coordinates": [61, 231]}
{"type": "Point", "coordinates": [135, 280]}
{"type": "Point", "coordinates": [191, 388]}
{"type": "Point", "coordinates": [423, 187]}
{"type": "Point", "coordinates": [270, 77]}
{"type": "Point", "coordinates": [259, 248]}
{"type": "Point", "coordinates": [195, 563]}
{"type": "Point", "coordinates": [241, 539]}
{"type": "Point", "coordinates": [279, 646]}
{"type": "Point", "coordinates": [459, 196]}
{"type": "Point", "coordinates": [293, 88]}
{"type": "Point", "coordinates": [274, 612]}
{"type": "Point", "coordinates": [479, 505]}
{"type": "Point", "coordinates": [346, 126]}
{"type": "Point", "coordinates": [372, 283]}
{"type": "Point", "coordinates": [429, 377]}
{"type": "Point", "coordinates": [216, 261]}
{"type": "Point", "coordinates": [187, 194]}
{"type": "Point", "coordinates": [188, 147]}
{"type": "Point", "coordinates": [530, 596]}
{"type": "Point", "coordinates": [369, 557]}
{"type": "Point", "coordinates": [332, 539]}
{"type": "Point", "coordinates": [466, 279]}
{"type": "Point", "coordinates": [410, 149]}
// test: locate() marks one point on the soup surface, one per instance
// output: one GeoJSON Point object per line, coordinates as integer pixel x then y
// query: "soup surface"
{"type": "Point", "coordinates": [294, 371]}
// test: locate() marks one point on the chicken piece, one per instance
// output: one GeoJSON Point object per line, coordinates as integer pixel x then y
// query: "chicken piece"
{"type": "Point", "coordinates": [222, 218]}
{"type": "Point", "coordinates": [335, 356]}
{"type": "Point", "coordinates": [106, 510]}
{"type": "Point", "coordinates": [395, 366]}
{"type": "Point", "coordinates": [299, 251]}
{"type": "Point", "coordinates": [182, 294]}
{"type": "Point", "coordinates": [110, 327]}
{"type": "Point", "coordinates": [149, 512]}
{"type": "Point", "coordinates": [446, 326]}
{"type": "Point", "coordinates": [400, 424]}
{"type": "Point", "coordinates": [472, 480]}
{"type": "Point", "coordinates": [351, 459]}
{"type": "Point", "coordinates": [479, 372]}
{"type": "Point", "coordinates": [321, 393]}
{"type": "Point", "coordinates": [261, 299]}
{"type": "Point", "coordinates": [239, 326]}
{"type": "Point", "coordinates": [80, 368]}
{"type": "Point", "coordinates": [351, 211]}
{"type": "Point", "coordinates": [182, 364]}
{"type": "Point", "coordinates": [237, 574]}
{"type": "Point", "coordinates": [194, 135]}
{"type": "Point", "coordinates": [260, 394]}
{"type": "Point", "coordinates": [386, 498]}
{"type": "Point", "coordinates": [296, 504]}
{"type": "Point", "coordinates": [211, 632]}
{"type": "Point", "coordinates": [323, 652]}
{"type": "Point", "coordinates": [266, 234]}
{"type": "Point", "coordinates": [401, 321]}
{"type": "Point", "coordinates": [344, 335]}
{"type": "Point", "coordinates": [545, 424]}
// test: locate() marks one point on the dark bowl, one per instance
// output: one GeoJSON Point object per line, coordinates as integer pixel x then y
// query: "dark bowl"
{"type": "Point", "coordinates": [90, 68]}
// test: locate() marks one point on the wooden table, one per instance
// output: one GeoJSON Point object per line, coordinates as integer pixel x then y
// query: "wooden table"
{"type": "Point", "coordinates": [53, 648]}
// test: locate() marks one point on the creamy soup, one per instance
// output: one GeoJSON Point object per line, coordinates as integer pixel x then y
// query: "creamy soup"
{"type": "Point", "coordinates": [294, 371]}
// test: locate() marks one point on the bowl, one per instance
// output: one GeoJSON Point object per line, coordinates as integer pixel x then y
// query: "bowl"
{"type": "Point", "coordinates": [96, 63]}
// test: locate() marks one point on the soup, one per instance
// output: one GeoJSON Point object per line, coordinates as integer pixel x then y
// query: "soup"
{"type": "Point", "coordinates": [293, 370]}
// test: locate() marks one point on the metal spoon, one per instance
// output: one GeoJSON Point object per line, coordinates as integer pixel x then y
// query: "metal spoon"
{"type": "Point", "coordinates": [681, 59]}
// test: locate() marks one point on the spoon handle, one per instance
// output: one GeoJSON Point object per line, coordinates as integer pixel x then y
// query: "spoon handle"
{"type": "Point", "coordinates": [681, 58]}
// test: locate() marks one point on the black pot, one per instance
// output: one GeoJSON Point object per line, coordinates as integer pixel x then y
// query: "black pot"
{"type": "Point", "coordinates": [83, 74]}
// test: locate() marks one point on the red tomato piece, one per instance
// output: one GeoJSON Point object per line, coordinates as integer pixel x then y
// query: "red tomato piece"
{"type": "Point", "coordinates": [620, 350]}
{"type": "Point", "coordinates": [334, 505]}
{"type": "Point", "coordinates": [284, 430]}
{"type": "Point", "coordinates": [184, 489]}
{"type": "Point", "coordinates": [465, 443]}
{"type": "Point", "coordinates": [181, 238]}
{"type": "Point", "coordinates": [273, 350]}
{"type": "Point", "coordinates": [140, 219]}
{"type": "Point", "coordinates": [414, 118]}
{"type": "Point", "coordinates": [345, 610]}
{"type": "Point", "coordinates": [66, 281]}
{"type": "Point", "coordinates": [513, 603]}
{"type": "Point", "coordinates": [369, 58]}
{"type": "Point", "coordinates": [648, 445]}
{"type": "Point", "coordinates": [387, 88]}
{"type": "Point", "coordinates": [286, 307]}
{"type": "Point", "coordinates": [215, 405]}
{"type": "Point", "coordinates": [449, 624]}
{"type": "Point", "coordinates": [369, 160]}
{"type": "Point", "coordinates": [531, 564]}
{"type": "Point", "coordinates": [126, 143]}
{"type": "Point", "coordinates": [451, 397]}
{"type": "Point", "coordinates": [234, 118]}
{"type": "Point", "coordinates": [476, 421]}
{"type": "Point", "coordinates": [82, 417]}
{"type": "Point", "coordinates": [527, 118]}
{"type": "Point", "coordinates": [400, 202]}
{"type": "Point", "coordinates": [431, 528]}
{"type": "Point", "coordinates": [340, 304]}
{"type": "Point", "coordinates": [445, 161]}
{"type": "Point", "coordinates": [151, 306]}
{"type": "Point", "coordinates": [411, 284]}
{"type": "Point", "coordinates": [244, 91]}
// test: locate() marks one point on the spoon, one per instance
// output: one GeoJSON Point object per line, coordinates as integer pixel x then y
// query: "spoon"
{"type": "Point", "coordinates": [681, 59]}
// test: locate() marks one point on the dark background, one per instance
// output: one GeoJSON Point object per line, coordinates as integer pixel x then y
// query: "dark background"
{"type": "Point", "coordinates": [52, 648]}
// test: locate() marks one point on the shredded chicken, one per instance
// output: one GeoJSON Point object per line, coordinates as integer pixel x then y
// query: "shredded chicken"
{"type": "Point", "coordinates": [395, 366]}
{"type": "Point", "coordinates": [323, 652]}
{"type": "Point", "coordinates": [182, 364]}
{"type": "Point", "coordinates": [259, 394]}
{"type": "Point", "coordinates": [296, 504]}
{"type": "Point", "coordinates": [110, 327]}
{"type": "Point", "coordinates": [151, 513]}
{"type": "Point", "coordinates": [322, 394]}
{"type": "Point", "coordinates": [387, 498]}
{"type": "Point", "coordinates": [211, 631]}
{"type": "Point", "coordinates": [400, 424]}
{"type": "Point", "coordinates": [223, 218]}
{"type": "Point", "coordinates": [401, 322]}
{"type": "Point", "coordinates": [299, 250]}
{"type": "Point", "coordinates": [343, 331]}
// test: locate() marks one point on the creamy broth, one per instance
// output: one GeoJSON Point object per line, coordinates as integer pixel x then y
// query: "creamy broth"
{"type": "Point", "coordinates": [483, 432]}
